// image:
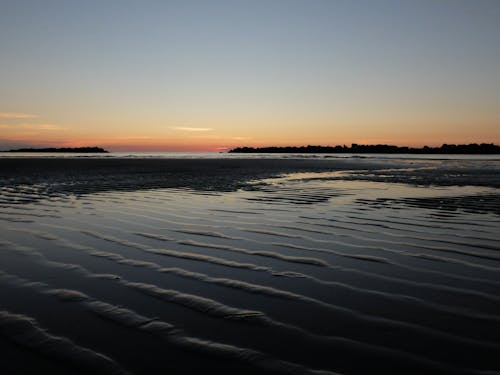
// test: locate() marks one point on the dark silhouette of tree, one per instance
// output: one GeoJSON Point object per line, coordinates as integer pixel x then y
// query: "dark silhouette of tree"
{"type": "Point", "coordinates": [473, 148]}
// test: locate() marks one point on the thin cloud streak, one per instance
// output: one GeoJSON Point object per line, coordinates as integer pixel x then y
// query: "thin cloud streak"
{"type": "Point", "coordinates": [50, 127]}
{"type": "Point", "coordinates": [32, 126]}
{"type": "Point", "coordinates": [190, 129]}
{"type": "Point", "coordinates": [16, 115]}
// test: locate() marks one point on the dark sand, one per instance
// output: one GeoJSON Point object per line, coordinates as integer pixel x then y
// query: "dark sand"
{"type": "Point", "coordinates": [225, 273]}
{"type": "Point", "coordinates": [87, 175]}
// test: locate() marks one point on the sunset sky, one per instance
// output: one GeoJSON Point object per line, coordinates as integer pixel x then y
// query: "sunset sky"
{"type": "Point", "coordinates": [208, 75]}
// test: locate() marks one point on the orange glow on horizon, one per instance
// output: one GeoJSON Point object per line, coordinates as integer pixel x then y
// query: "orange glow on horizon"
{"type": "Point", "coordinates": [210, 136]}
{"type": "Point", "coordinates": [183, 146]}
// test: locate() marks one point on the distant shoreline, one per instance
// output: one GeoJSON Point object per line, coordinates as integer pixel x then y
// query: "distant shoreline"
{"type": "Point", "coordinates": [80, 150]}
{"type": "Point", "coordinates": [470, 149]}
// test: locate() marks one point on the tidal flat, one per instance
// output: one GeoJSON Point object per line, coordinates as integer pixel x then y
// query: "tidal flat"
{"type": "Point", "coordinates": [279, 265]}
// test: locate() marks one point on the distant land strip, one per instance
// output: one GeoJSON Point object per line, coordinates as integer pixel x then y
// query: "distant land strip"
{"type": "Point", "coordinates": [473, 148]}
{"type": "Point", "coordinates": [85, 150]}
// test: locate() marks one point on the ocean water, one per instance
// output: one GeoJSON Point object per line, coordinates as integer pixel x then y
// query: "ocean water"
{"type": "Point", "coordinates": [307, 273]}
{"type": "Point", "coordinates": [225, 155]}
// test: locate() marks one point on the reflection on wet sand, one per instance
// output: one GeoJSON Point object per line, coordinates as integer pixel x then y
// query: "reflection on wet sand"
{"type": "Point", "coordinates": [314, 272]}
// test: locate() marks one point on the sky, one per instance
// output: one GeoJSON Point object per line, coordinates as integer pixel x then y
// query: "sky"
{"type": "Point", "coordinates": [211, 75]}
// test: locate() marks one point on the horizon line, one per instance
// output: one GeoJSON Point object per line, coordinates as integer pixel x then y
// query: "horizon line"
{"type": "Point", "coordinates": [230, 148]}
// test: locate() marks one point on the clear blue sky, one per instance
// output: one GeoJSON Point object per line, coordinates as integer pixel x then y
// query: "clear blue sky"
{"type": "Point", "coordinates": [171, 75]}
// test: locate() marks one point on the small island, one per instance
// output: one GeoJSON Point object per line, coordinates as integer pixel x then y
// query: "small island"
{"type": "Point", "coordinates": [473, 148]}
{"type": "Point", "coordinates": [79, 150]}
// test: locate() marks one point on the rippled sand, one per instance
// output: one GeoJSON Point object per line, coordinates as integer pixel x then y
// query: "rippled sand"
{"type": "Point", "coordinates": [316, 272]}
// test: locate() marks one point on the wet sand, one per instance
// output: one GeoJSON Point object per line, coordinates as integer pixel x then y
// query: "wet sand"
{"type": "Point", "coordinates": [209, 174]}
{"type": "Point", "coordinates": [230, 174]}
{"type": "Point", "coordinates": [187, 266]}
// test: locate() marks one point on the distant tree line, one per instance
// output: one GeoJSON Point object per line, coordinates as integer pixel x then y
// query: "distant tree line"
{"type": "Point", "coordinates": [473, 148]}
{"type": "Point", "coordinates": [85, 150]}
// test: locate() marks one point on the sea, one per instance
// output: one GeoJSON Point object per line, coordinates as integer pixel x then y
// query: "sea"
{"type": "Point", "coordinates": [227, 155]}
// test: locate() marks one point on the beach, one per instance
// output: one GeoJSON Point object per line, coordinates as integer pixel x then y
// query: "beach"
{"type": "Point", "coordinates": [257, 265]}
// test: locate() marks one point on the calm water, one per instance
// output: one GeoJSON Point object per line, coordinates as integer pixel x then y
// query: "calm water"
{"type": "Point", "coordinates": [211, 155]}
